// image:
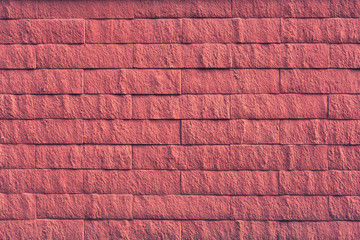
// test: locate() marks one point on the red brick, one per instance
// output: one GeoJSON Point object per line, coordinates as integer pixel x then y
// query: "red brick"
{"type": "Point", "coordinates": [257, 131]}
{"type": "Point", "coordinates": [42, 31]}
{"type": "Point", "coordinates": [109, 206]}
{"type": "Point", "coordinates": [280, 208]}
{"type": "Point", "coordinates": [344, 56]}
{"type": "Point", "coordinates": [60, 229]}
{"type": "Point", "coordinates": [17, 181]}
{"type": "Point", "coordinates": [227, 132]}
{"type": "Point", "coordinates": [57, 181]}
{"type": "Point", "coordinates": [345, 207]}
{"type": "Point", "coordinates": [208, 132]}
{"type": "Point", "coordinates": [155, 229]}
{"type": "Point", "coordinates": [181, 107]}
{"type": "Point", "coordinates": [209, 230]}
{"type": "Point", "coordinates": [107, 157]}
{"type": "Point", "coordinates": [304, 182]}
{"type": "Point", "coordinates": [181, 207]}
{"type": "Point", "coordinates": [41, 81]}
{"type": "Point", "coordinates": [304, 30]}
{"type": "Point", "coordinates": [179, 8]}
{"type": "Point", "coordinates": [18, 229]}
{"type": "Point", "coordinates": [84, 56]}
{"type": "Point", "coordinates": [275, 157]}
{"type": "Point", "coordinates": [158, 157]}
{"type": "Point", "coordinates": [344, 106]}
{"type": "Point", "coordinates": [229, 183]}
{"type": "Point", "coordinates": [256, 8]}
{"type": "Point", "coordinates": [257, 30]}
{"type": "Point", "coordinates": [319, 132]}
{"type": "Point", "coordinates": [230, 81]}
{"type": "Point", "coordinates": [172, 157]}
{"type": "Point", "coordinates": [344, 182]}
{"type": "Point", "coordinates": [259, 229]}
{"type": "Point", "coordinates": [298, 230]}
{"type": "Point", "coordinates": [158, 56]}
{"type": "Point", "coordinates": [306, 8]}
{"type": "Point", "coordinates": [132, 81]}
{"type": "Point", "coordinates": [132, 132]}
{"type": "Point", "coordinates": [85, 9]}
{"type": "Point", "coordinates": [344, 8]}
{"type": "Point", "coordinates": [320, 81]}
{"type": "Point", "coordinates": [17, 57]}
{"type": "Point", "coordinates": [321, 30]}
{"type": "Point", "coordinates": [156, 107]}
{"type": "Point", "coordinates": [11, 9]}
{"type": "Point", "coordinates": [107, 229]}
{"type": "Point", "coordinates": [258, 56]}
{"type": "Point", "coordinates": [280, 56]}
{"type": "Point", "coordinates": [306, 55]}
{"type": "Point", "coordinates": [182, 56]}
{"type": "Point", "coordinates": [105, 106]}
{"type": "Point", "coordinates": [344, 157]}
{"type": "Point", "coordinates": [17, 206]}
{"type": "Point", "coordinates": [259, 157]}
{"type": "Point", "coordinates": [208, 30]}
{"type": "Point", "coordinates": [266, 106]}
{"type": "Point", "coordinates": [307, 157]}
{"type": "Point", "coordinates": [343, 30]}
{"type": "Point", "coordinates": [41, 131]}
{"type": "Point", "coordinates": [136, 229]}
{"type": "Point", "coordinates": [41, 181]}
{"type": "Point", "coordinates": [94, 206]}
{"type": "Point", "coordinates": [320, 183]}
{"type": "Point", "coordinates": [59, 156]}
{"type": "Point", "coordinates": [132, 182]}
{"type": "Point", "coordinates": [204, 106]}
{"type": "Point", "coordinates": [17, 106]}
{"type": "Point", "coordinates": [320, 230]}
{"type": "Point", "coordinates": [69, 206]}
{"type": "Point", "coordinates": [17, 156]}
{"type": "Point", "coordinates": [134, 31]}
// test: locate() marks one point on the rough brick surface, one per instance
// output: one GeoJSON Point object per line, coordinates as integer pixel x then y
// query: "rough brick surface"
{"type": "Point", "coordinates": [180, 119]}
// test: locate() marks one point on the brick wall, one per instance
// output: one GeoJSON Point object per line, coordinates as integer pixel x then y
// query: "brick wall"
{"type": "Point", "coordinates": [194, 119]}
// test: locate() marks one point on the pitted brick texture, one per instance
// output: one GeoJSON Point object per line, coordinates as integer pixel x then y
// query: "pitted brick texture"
{"type": "Point", "coordinates": [180, 119]}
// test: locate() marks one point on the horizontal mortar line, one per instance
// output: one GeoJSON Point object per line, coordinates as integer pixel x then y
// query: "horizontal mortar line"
{"type": "Point", "coordinates": [179, 69]}
{"type": "Point", "coordinates": [179, 94]}
{"type": "Point", "coordinates": [185, 170]}
{"type": "Point", "coordinates": [175, 94]}
{"type": "Point", "coordinates": [186, 119]}
{"type": "Point", "coordinates": [186, 17]}
{"type": "Point", "coordinates": [178, 43]}
{"type": "Point", "coordinates": [176, 119]}
{"type": "Point", "coordinates": [152, 68]}
{"type": "Point", "coordinates": [178, 195]}
{"type": "Point", "coordinates": [177, 220]}
{"type": "Point", "coordinates": [178, 144]}
{"type": "Point", "coordinates": [229, 219]}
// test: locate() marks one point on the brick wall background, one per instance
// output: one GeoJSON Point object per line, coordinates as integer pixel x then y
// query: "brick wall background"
{"type": "Point", "coordinates": [191, 119]}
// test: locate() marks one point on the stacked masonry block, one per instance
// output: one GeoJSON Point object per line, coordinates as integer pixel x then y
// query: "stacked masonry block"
{"type": "Point", "coordinates": [180, 119]}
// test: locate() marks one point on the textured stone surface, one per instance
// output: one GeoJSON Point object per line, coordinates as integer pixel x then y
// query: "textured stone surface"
{"type": "Point", "coordinates": [320, 81]}
{"type": "Point", "coordinates": [230, 81]}
{"type": "Point", "coordinates": [179, 119]}
{"type": "Point", "coordinates": [132, 81]}
{"type": "Point", "coordinates": [42, 31]}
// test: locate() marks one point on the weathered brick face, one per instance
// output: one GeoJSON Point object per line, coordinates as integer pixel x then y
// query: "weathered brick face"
{"type": "Point", "coordinates": [180, 119]}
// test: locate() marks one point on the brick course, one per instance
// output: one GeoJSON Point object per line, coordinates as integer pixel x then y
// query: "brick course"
{"type": "Point", "coordinates": [180, 119]}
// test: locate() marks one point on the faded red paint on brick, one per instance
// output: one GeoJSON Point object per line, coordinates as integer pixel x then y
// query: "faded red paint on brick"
{"type": "Point", "coordinates": [180, 119]}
